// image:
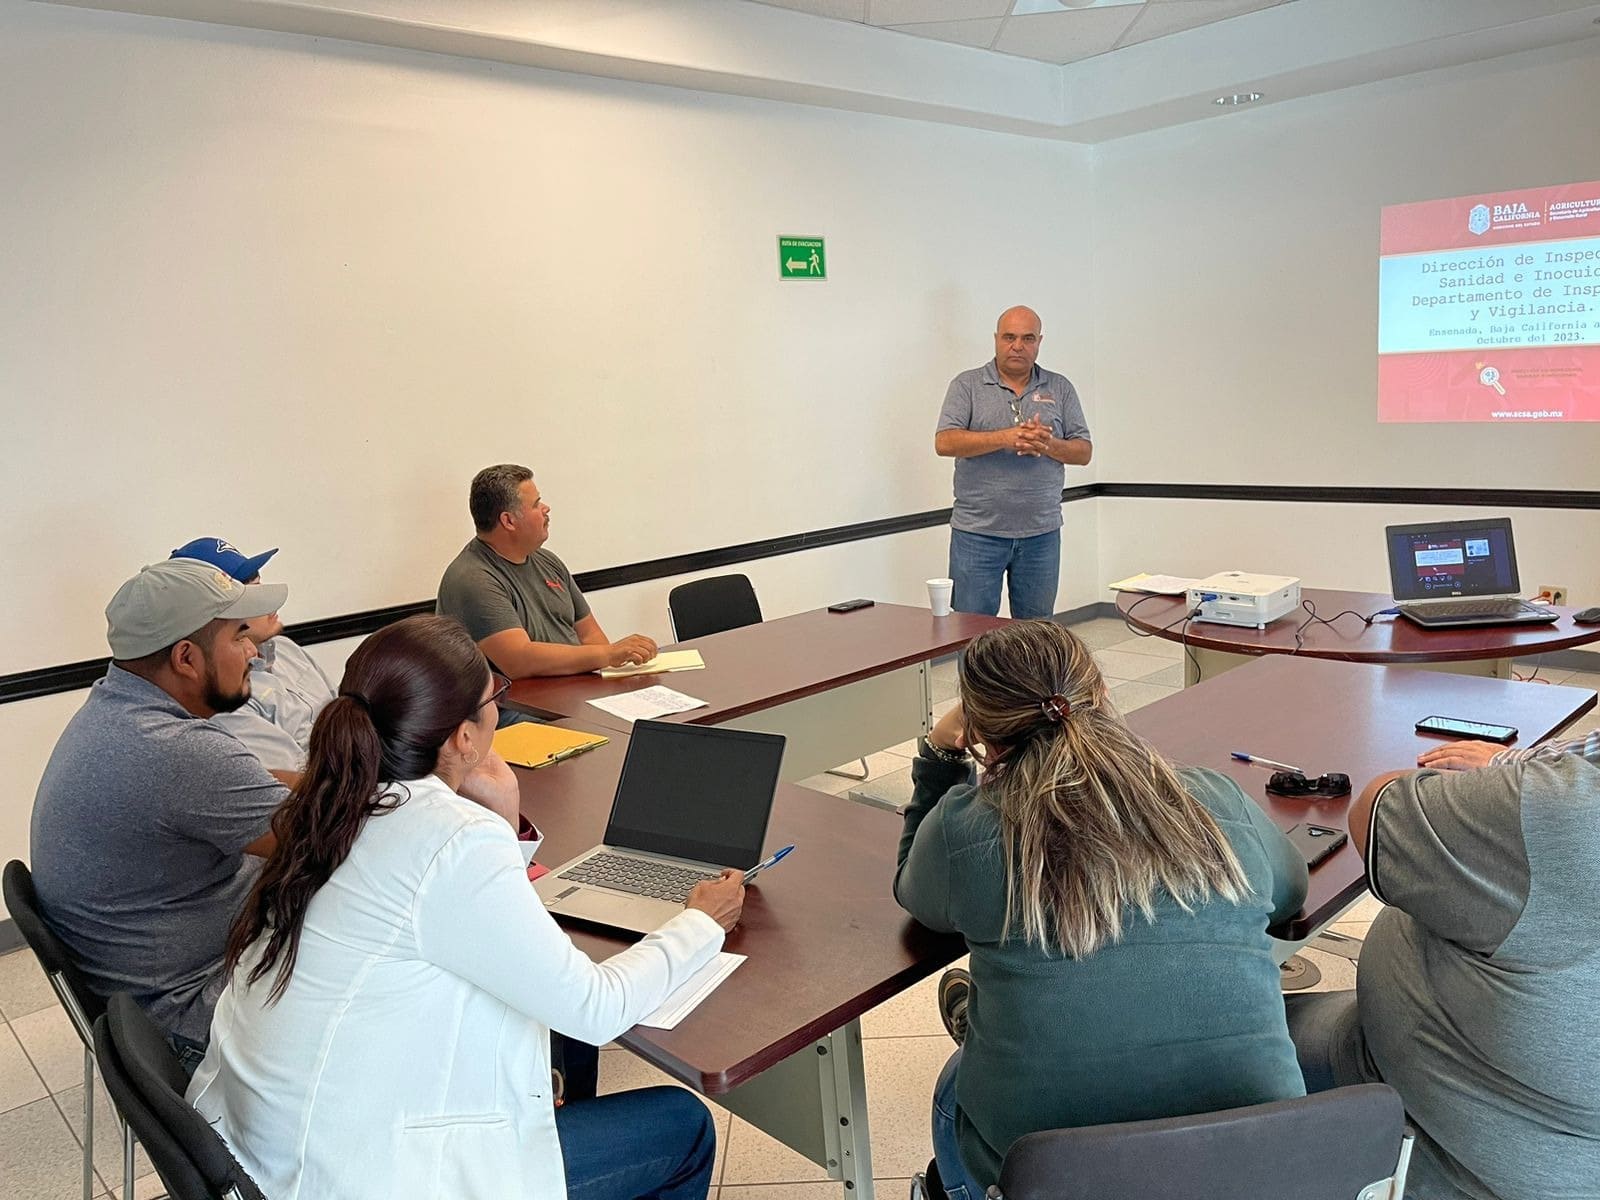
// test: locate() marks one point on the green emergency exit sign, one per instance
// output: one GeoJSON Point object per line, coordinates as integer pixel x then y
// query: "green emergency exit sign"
{"type": "Point", "coordinates": [802, 258]}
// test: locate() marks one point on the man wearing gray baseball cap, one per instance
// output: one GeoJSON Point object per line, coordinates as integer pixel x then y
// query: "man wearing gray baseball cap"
{"type": "Point", "coordinates": [150, 820]}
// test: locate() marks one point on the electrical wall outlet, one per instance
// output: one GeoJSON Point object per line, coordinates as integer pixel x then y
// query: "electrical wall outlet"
{"type": "Point", "coordinates": [1554, 592]}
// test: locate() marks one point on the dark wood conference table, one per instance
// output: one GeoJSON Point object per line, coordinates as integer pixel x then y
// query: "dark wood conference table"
{"type": "Point", "coordinates": [838, 685]}
{"type": "Point", "coordinates": [1484, 650]}
{"type": "Point", "coordinates": [779, 1042]}
{"type": "Point", "coordinates": [1326, 716]}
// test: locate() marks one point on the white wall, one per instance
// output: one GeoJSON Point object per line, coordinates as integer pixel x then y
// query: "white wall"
{"type": "Point", "coordinates": [1236, 283]}
{"type": "Point", "coordinates": [294, 292]}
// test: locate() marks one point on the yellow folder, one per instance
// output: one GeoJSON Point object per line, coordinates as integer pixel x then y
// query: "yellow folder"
{"type": "Point", "coordinates": [530, 745]}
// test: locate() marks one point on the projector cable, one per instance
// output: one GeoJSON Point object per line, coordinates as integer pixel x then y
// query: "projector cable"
{"type": "Point", "coordinates": [1310, 607]}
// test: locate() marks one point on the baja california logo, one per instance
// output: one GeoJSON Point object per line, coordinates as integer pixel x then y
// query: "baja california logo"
{"type": "Point", "coordinates": [1478, 219]}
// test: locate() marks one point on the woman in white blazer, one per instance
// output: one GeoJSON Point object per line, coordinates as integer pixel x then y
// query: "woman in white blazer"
{"type": "Point", "coordinates": [394, 979]}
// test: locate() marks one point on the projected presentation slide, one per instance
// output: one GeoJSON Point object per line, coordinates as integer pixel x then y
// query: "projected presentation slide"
{"type": "Point", "coordinates": [1489, 307]}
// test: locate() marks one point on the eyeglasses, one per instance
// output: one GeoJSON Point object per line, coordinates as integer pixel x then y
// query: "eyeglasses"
{"type": "Point", "coordinates": [1011, 339]}
{"type": "Point", "coordinates": [499, 693]}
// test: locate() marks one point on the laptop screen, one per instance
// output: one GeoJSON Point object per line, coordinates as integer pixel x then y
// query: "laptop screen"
{"type": "Point", "coordinates": [1452, 558]}
{"type": "Point", "coordinates": [696, 792]}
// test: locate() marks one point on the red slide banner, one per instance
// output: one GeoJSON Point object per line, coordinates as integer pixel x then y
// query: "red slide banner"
{"type": "Point", "coordinates": [1489, 307]}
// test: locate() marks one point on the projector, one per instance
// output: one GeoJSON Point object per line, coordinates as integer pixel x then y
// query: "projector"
{"type": "Point", "coordinates": [1235, 598]}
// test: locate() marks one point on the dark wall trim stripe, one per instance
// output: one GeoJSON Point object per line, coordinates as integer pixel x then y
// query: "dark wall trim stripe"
{"type": "Point", "coordinates": [46, 681]}
{"type": "Point", "coordinates": [1472, 497]}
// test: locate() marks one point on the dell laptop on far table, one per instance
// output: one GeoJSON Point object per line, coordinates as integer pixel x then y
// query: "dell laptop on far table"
{"type": "Point", "coordinates": [692, 800]}
{"type": "Point", "coordinates": [1453, 574]}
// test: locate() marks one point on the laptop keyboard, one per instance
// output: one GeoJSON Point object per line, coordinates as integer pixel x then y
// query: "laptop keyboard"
{"type": "Point", "coordinates": [641, 876]}
{"type": "Point", "coordinates": [1475, 608]}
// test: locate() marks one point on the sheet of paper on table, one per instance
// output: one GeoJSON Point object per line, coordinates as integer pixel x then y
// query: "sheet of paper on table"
{"type": "Point", "coordinates": [1159, 585]}
{"type": "Point", "coordinates": [647, 704]}
{"type": "Point", "coordinates": [667, 660]}
{"type": "Point", "coordinates": [694, 990]}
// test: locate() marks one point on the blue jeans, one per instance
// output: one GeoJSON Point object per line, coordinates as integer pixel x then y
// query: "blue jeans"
{"type": "Point", "coordinates": [958, 1184]}
{"type": "Point", "coordinates": [1031, 567]}
{"type": "Point", "coordinates": [656, 1143]}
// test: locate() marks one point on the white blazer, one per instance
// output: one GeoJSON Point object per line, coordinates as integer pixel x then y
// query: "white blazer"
{"type": "Point", "coordinates": [409, 1055]}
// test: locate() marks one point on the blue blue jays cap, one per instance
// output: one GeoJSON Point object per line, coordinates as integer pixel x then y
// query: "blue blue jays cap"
{"type": "Point", "coordinates": [225, 557]}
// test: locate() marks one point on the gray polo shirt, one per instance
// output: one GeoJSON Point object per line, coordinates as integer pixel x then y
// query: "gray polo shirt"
{"type": "Point", "coordinates": [137, 847]}
{"type": "Point", "coordinates": [1003, 494]}
{"type": "Point", "coordinates": [489, 594]}
{"type": "Point", "coordinates": [1479, 989]}
{"type": "Point", "coordinates": [287, 691]}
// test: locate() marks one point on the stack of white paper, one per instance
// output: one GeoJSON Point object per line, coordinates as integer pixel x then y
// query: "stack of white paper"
{"type": "Point", "coordinates": [694, 990]}
{"type": "Point", "coordinates": [647, 704]}
{"type": "Point", "coordinates": [1160, 585]}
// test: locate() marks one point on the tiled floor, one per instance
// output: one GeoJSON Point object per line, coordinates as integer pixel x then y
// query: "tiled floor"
{"type": "Point", "coordinates": [41, 1072]}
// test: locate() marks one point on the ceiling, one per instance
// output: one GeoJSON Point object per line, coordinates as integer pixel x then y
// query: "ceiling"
{"type": "Point", "coordinates": [1053, 31]}
{"type": "Point", "coordinates": [1085, 71]}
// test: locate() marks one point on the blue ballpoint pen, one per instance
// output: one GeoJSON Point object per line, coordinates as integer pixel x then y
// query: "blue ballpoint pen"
{"type": "Point", "coordinates": [1265, 762]}
{"type": "Point", "coordinates": [763, 865]}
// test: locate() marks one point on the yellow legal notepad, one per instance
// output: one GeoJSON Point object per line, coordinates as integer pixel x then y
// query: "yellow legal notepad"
{"type": "Point", "coordinates": [530, 745]}
{"type": "Point", "coordinates": [666, 661]}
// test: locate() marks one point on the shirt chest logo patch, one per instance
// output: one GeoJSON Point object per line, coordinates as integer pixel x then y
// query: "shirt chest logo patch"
{"type": "Point", "coordinates": [1043, 398]}
{"type": "Point", "coordinates": [554, 585]}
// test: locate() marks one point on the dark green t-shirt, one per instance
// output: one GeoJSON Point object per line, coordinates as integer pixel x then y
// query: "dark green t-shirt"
{"type": "Point", "coordinates": [1183, 1015]}
{"type": "Point", "coordinates": [489, 594]}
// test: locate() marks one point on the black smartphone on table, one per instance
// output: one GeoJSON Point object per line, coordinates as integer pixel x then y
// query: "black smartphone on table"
{"type": "Point", "coordinates": [849, 605]}
{"type": "Point", "coordinates": [1316, 842]}
{"type": "Point", "coordinates": [1482, 731]}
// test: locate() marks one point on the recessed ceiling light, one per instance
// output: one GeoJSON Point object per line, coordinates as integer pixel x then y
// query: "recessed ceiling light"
{"type": "Point", "coordinates": [1238, 98]}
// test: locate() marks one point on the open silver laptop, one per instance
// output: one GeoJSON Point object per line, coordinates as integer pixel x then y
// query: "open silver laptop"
{"type": "Point", "coordinates": [692, 800]}
{"type": "Point", "coordinates": [1448, 574]}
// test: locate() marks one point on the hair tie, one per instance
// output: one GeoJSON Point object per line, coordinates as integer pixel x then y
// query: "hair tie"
{"type": "Point", "coordinates": [360, 700]}
{"type": "Point", "coordinates": [1056, 707]}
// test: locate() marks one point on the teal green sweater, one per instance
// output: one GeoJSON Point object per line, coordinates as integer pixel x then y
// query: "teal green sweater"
{"type": "Point", "coordinates": [1183, 1015]}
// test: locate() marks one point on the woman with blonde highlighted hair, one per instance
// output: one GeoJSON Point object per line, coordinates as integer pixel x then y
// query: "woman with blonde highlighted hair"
{"type": "Point", "coordinates": [1116, 909]}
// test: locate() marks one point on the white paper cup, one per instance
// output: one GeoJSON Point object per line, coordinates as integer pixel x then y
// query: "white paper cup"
{"type": "Point", "coordinates": [939, 596]}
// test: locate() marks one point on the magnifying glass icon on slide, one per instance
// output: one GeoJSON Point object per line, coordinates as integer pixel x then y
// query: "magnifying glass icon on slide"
{"type": "Point", "coordinates": [1490, 377]}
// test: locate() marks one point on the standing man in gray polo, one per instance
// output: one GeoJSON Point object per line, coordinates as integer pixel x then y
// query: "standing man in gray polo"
{"type": "Point", "coordinates": [1012, 427]}
{"type": "Point", "coordinates": [151, 822]}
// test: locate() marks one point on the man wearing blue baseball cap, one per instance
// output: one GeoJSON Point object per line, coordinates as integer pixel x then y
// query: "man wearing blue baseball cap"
{"type": "Point", "coordinates": [150, 822]}
{"type": "Point", "coordinates": [287, 688]}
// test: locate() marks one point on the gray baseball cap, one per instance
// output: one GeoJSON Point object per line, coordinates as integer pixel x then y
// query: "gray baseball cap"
{"type": "Point", "coordinates": [169, 601]}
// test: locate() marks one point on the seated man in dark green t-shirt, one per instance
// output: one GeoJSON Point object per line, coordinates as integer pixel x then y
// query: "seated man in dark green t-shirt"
{"type": "Point", "coordinates": [518, 600]}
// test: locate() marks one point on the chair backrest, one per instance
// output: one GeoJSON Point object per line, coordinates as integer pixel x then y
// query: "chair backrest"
{"type": "Point", "coordinates": [1336, 1145]}
{"type": "Point", "coordinates": [71, 988]}
{"type": "Point", "coordinates": [712, 605]}
{"type": "Point", "coordinates": [147, 1085]}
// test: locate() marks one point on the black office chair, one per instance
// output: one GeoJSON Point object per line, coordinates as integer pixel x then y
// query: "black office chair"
{"type": "Point", "coordinates": [147, 1084]}
{"type": "Point", "coordinates": [713, 605]}
{"type": "Point", "coordinates": [1347, 1144]}
{"type": "Point", "coordinates": [716, 605]}
{"type": "Point", "coordinates": [75, 995]}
